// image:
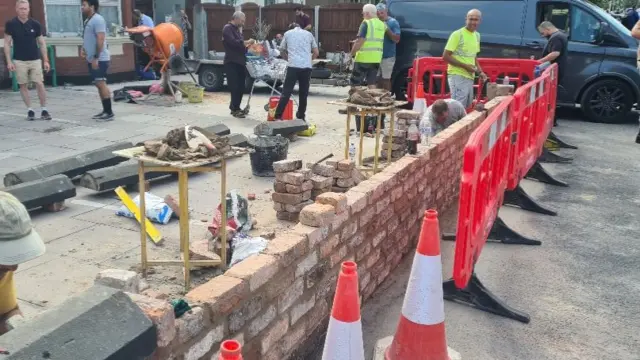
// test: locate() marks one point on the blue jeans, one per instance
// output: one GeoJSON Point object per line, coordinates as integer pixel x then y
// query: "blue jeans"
{"type": "Point", "coordinates": [99, 74]}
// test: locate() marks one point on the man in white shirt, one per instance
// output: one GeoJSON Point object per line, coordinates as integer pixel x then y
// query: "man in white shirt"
{"type": "Point", "coordinates": [441, 114]}
{"type": "Point", "coordinates": [301, 48]}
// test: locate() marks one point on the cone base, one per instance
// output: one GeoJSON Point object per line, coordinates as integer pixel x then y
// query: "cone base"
{"type": "Point", "coordinates": [418, 342]}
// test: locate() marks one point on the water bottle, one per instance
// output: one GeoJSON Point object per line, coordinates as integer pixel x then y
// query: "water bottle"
{"type": "Point", "coordinates": [352, 152]}
{"type": "Point", "coordinates": [413, 137]}
{"type": "Point", "coordinates": [505, 81]}
{"type": "Point", "coordinates": [427, 135]}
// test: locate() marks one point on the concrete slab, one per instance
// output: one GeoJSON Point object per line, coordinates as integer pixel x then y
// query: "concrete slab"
{"type": "Point", "coordinates": [43, 192]}
{"type": "Point", "coordinates": [68, 332]}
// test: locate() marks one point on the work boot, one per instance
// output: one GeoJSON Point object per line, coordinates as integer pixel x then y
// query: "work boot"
{"type": "Point", "coordinates": [31, 115]}
{"type": "Point", "coordinates": [239, 114]}
{"type": "Point", "coordinates": [44, 115]}
{"type": "Point", "coordinates": [638, 138]}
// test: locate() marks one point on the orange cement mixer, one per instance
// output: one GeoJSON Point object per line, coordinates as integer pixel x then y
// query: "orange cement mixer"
{"type": "Point", "coordinates": [161, 42]}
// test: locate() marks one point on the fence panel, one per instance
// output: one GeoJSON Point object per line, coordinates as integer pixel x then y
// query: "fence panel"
{"type": "Point", "coordinates": [279, 16]}
{"type": "Point", "coordinates": [338, 25]}
{"type": "Point", "coordinates": [217, 16]}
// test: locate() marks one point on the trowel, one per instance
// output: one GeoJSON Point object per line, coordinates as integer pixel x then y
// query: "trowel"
{"type": "Point", "coordinates": [195, 138]}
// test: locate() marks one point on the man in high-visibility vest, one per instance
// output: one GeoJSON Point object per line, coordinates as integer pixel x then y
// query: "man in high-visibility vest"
{"type": "Point", "coordinates": [367, 49]}
{"type": "Point", "coordinates": [461, 53]}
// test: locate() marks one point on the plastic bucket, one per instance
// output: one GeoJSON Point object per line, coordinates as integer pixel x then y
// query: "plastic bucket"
{"type": "Point", "coordinates": [266, 151]}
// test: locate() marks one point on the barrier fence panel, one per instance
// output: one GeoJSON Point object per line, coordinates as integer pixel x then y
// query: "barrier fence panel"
{"type": "Point", "coordinates": [428, 77]}
{"type": "Point", "coordinates": [498, 154]}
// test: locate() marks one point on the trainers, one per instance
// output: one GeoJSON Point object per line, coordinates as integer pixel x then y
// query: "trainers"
{"type": "Point", "coordinates": [45, 115]}
{"type": "Point", "coordinates": [239, 114]}
{"type": "Point", "coordinates": [31, 115]}
{"type": "Point", "coordinates": [638, 139]}
{"type": "Point", "coordinates": [106, 117]}
{"type": "Point", "coordinates": [98, 116]}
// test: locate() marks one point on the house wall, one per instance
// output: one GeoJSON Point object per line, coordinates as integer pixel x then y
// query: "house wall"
{"type": "Point", "coordinates": [70, 67]}
{"type": "Point", "coordinates": [278, 302]}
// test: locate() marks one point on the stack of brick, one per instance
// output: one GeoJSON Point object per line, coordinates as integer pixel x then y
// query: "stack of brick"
{"type": "Point", "coordinates": [292, 189]}
{"type": "Point", "coordinates": [336, 176]}
{"type": "Point", "coordinates": [399, 138]}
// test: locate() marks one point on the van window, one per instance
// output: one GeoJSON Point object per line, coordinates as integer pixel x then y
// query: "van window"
{"type": "Point", "coordinates": [580, 25]}
{"type": "Point", "coordinates": [450, 15]}
{"type": "Point", "coordinates": [584, 26]}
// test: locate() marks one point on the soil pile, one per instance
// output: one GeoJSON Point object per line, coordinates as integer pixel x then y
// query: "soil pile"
{"type": "Point", "coordinates": [370, 97]}
{"type": "Point", "coordinates": [174, 146]}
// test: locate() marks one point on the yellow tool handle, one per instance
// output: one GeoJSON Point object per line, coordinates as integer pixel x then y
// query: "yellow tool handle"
{"type": "Point", "coordinates": [152, 231]}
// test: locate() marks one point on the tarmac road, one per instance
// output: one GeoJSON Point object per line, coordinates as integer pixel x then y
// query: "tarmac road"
{"type": "Point", "coordinates": [581, 287]}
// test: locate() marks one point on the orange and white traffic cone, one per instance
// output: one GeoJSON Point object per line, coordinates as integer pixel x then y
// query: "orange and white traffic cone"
{"type": "Point", "coordinates": [420, 334]}
{"type": "Point", "coordinates": [230, 350]}
{"type": "Point", "coordinates": [344, 336]}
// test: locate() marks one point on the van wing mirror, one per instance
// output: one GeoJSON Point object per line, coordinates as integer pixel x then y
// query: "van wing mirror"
{"type": "Point", "coordinates": [599, 34]}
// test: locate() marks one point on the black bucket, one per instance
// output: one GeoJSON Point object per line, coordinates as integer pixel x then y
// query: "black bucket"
{"type": "Point", "coordinates": [266, 151]}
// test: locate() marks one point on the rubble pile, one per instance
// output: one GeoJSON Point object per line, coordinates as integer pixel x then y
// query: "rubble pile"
{"type": "Point", "coordinates": [292, 188]}
{"type": "Point", "coordinates": [174, 146]}
{"type": "Point", "coordinates": [370, 97]}
{"type": "Point", "coordinates": [343, 175]}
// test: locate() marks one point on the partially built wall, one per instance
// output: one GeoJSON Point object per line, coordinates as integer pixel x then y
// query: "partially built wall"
{"type": "Point", "coordinates": [276, 301]}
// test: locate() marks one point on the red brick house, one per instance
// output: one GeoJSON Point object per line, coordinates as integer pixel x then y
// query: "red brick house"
{"type": "Point", "coordinates": [62, 20]}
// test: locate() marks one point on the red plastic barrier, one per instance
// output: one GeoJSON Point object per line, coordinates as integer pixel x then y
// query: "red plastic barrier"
{"type": "Point", "coordinates": [534, 110]}
{"type": "Point", "coordinates": [430, 74]}
{"type": "Point", "coordinates": [483, 181]}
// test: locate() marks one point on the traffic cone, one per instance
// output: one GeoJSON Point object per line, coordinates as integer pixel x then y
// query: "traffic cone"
{"type": "Point", "coordinates": [230, 350]}
{"type": "Point", "coordinates": [420, 334]}
{"type": "Point", "coordinates": [344, 336]}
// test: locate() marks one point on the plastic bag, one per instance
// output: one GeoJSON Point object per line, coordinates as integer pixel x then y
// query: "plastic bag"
{"type": "Point", "coordinates": [157, 210]}
{"type": "Point", "coordinates": [238, 217]}
{"type": "Point", "coordinates": [244, 246]}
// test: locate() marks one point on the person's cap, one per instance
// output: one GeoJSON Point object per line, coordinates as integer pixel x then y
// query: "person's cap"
{"type": "Point", "coordinates": [381, 7]}
{"type": "Point", "coordinates": [19, 242]}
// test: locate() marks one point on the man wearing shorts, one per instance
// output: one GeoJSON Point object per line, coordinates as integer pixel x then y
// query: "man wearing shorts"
{"type": "Point", "coordinates": [94, 50]}
{"type": "Point", "coordinates": [367, 49]}
{"type": "Point", "coordinates": [25, 34]}
{"type": "Point", "coordinates": [461, 53]}
{"type": "Point", "coordinates": [392, 36]}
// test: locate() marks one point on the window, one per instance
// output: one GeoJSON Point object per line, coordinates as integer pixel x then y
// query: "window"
{"type": "Point", "coordinates": [584, 26]}
{"type": "Point", "coordinates": [556, 13]}
{"type": "Point", "coordinates": [64, 17]}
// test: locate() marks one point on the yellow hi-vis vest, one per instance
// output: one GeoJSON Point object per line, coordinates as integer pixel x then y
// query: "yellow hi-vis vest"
{"type": "Point", "coordinates": [371, 50]}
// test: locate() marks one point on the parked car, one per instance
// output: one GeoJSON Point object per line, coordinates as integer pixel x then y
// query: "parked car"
{"type": "Point", "coordinates": [602, 77]}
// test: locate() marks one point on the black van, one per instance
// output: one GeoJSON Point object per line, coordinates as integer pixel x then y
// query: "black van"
{"type": "Point", "coordinates": [602, 75]}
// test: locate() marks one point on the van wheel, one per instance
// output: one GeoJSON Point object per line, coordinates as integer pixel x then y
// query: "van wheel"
{"type": "Point", "coordinates": [211, 78]}
{"type": "Point", "coordinates": [607, 101]}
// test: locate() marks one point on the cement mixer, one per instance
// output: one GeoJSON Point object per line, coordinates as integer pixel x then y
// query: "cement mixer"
{"type": "Point", "coordinates": [161, 42]}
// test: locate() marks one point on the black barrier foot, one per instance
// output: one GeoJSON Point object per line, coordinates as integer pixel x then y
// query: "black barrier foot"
{"type": "Point", "coordinates": [500, 232]}
{"type": "Point", "coordinates": [539, 173]}
{"type": "Point", "coordinates": [479, 297]}
{"type": "Point", "coordinates": [561, 144]}
{"type": "Point", "coordinates": [521, 199]}
{"type": "Point", "coordinates": [449, 237]}
{"type": "Point", "coordinates": [549, 157]}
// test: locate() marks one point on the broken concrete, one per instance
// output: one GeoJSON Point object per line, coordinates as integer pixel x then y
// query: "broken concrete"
{"type": "Point", "coordinates": [284, 128]}
{"type": "Point", "coordinates": [124, 280]}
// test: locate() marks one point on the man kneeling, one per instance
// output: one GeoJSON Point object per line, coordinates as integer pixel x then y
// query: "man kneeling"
{"type": "Point", "coordinates": [441, 114]}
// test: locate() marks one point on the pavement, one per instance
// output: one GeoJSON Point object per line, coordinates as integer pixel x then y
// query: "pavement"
{"type": "Point", "coordinates": [87, 236]}
{"type": "Point", "coordinates": [580, 287]}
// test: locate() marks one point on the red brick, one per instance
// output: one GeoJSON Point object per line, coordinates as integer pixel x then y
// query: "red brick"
{"type": "Point", "coordinates": [274, 334]}
{"type": "Point", "coordinates": [356, 200]}
{"type": "Point", "coordinates": [256, 269]}
{"type": "Point", "coordinates": [220, 295]}
{"type": "Point", "coordinates": [382, 204]}
{"type": "Point", "coordinates": [338, 201]}
{"type": "Point", "coordinates": [344, 165]}
{"type": "Point", "coordinates": [338, 255]}
{"type": "Point", "coordinates": [292, 178]}
{"type": "Point", "coordinates": [380, 236]}
{"type": "Point", "coordinates": [349, 229]}
{"type": "Point", "coordinates": [287, 248]}
{"type": "Point", "coordinates": [291, 199]}
{"type": "Point", "coordinates": [280, 187]}
{"type": "Point", "coordinates": [327, 246]}
{"type": "Point", "coordinates": [290, 295]}
{"type": "Point", "coordinates": [317, 215]}
{"type": "Point", "coordinates": [339, 220]}
{"type": "Point", "coordinates": [362, 251]}
{"type": "Point", "coordinates": [373, 258]}
{"type": "Point", "coordinates": [367, 215]}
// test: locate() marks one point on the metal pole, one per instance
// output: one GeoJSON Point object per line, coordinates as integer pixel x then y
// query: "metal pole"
{"type": "Point", "coordinates": [316, 21]}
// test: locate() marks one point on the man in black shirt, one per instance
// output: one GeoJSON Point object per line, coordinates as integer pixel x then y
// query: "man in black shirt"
{"type": "Point", "coordinates": [25, 34]}
{"type": "Point", "coordinates": [556, 50]}
{"type": "Point", "coordinates": [235, 60]}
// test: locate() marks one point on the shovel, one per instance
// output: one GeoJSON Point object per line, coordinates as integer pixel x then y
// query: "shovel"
{"type": "Point", "coordinates": [195, 138]}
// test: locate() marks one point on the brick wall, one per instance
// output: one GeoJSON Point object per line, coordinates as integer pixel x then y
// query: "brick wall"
{"type": "Point", "coordinates": [273, 301]}
{"type": "Point", "coordinates": [76, 66]}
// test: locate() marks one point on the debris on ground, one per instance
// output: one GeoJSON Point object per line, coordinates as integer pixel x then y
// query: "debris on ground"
{"type": "Point", "coordinates": [156, 209]}
{"type": "Point", "coordinates": [175, 146]}
{"type": "Point", "coordinates": [239, 222]}
{"type": "Point", "coordinates": [370, 97]}
{"type": "Point", "coordinates": [244, 246]}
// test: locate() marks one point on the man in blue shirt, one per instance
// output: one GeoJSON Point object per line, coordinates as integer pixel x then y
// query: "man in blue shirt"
{"type": "Point", "coordinates": [142, 19]}
{"type": "Point", "coordinates": [94, 50]}
{"type": "Point", "coordinates": [391, 38]}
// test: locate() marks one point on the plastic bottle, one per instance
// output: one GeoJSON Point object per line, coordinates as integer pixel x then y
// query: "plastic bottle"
{"type": "Point", "coordinates": [413, 137]}
{"type": "Point", "coordinates": [505, 81]}
{"type": "Point", "coordinates": [178, 96]}
{"type": "Point", "coordinates": [352, 152]}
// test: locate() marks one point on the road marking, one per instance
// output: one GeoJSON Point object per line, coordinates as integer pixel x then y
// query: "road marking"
{"type": "Point", "coordinates": [54, 119]}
